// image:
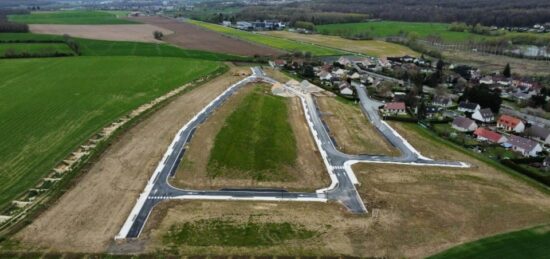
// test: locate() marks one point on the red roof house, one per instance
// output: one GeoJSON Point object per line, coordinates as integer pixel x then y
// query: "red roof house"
{"type": "Point", "coordinates": [395, 108]}
{"type": "Point", "coordinates": [489, 135]}
{"type": "Point", "coordinates": [510, 123]}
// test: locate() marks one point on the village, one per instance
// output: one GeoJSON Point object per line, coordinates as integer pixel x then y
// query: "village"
{"type": "Point", "coordinates": [479, 112]}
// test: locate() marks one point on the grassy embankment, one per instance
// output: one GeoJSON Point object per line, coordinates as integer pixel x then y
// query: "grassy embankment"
{"type": "Point", "coordinates": [255, 145]}
{"type": "Point", "coordinates": [229, 233]}
{"type": "Point", "coordinates": [274, 42]}
{"type": "Point", "coordinates": [7, 49]}
{"type": "Point", "coordinates": [527, 243]}
{"type": "Point", "coordinates": [70, 17]}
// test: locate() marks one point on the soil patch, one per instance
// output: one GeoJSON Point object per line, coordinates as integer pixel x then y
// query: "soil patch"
{"type": "Point", "coordinates": [190, 36]}
{"type": "Point", "coordinates": [128, 32]}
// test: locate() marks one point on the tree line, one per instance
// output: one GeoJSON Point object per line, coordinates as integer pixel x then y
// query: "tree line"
{"type": "Point", "coordinates": [485, 12]}
{"type": "Point", "coordinates": [7, 26]}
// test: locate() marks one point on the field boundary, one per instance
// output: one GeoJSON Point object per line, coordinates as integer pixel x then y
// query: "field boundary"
{"type": "Point", "coordinates": [81, 166]}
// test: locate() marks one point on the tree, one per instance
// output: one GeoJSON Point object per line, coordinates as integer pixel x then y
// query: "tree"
{"type": "Point", "coordinates": [158, 35]}
{"type": "Point", "coordinates": [507, 71]}
{"type": "Point", "coordinates": [484, 97]}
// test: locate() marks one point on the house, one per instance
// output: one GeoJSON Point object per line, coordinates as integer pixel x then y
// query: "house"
{"type": "Point", "coordinates": [395, 108]}
{"type": "Point", "coordinates": [442, 101]}
{"type": "Point", "coordinates": [277, 63]}
{"type": "Point", "coordinates": [464, 124]}
{"type": "Point", "coordinates": [485, 134]}
{"type": "Point", "coordinates": [345, 88]}
{"type": "Point", "coordinates": [325, 76]}
{"type": "Point", "coordinates": [339, 73]}
{"type": "Point", "coordinates": [355, 76]}
{"type": "Point", "coordinates": [525, 146]}
{"type": "Point", "coordinates": [384, 63]}
{"type": "Point", "coordinates": [344, 61]}
{"type": "Point", "coordinates": [546, 162]}
{"type": "Point", "coordinates": [242, 25]}
{"type": "Point", "coordinates": [510, 123]}
{"type": "Point", "coordinates": [468, 107]}
{"type": "Point", "coordinates": [226, 23]}
{"type": "Point", "coordinates": [484, 115]}
{"type": "Point", "coordinates": [431, 111]}
{"type": "Point", "coordinates": [486, 80]}
{"type": "Point", "coordinates": [538, 133]}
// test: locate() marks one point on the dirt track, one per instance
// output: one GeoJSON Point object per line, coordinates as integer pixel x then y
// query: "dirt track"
{"type": "Point", "coordinates": [89, 215]}
{"type": "Point", "coordinates": [189, 36]}
{"type": "Point", "coordinates": [124, 32]}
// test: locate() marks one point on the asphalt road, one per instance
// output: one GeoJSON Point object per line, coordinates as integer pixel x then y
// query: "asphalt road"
{"type": "Point", "coordinates": [341, 190]}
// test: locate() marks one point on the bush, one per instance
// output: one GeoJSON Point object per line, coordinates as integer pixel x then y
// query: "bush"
{"type": "Point", "coordinates": [158, 35]}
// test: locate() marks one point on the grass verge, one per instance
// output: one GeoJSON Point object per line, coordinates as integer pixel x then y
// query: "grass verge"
{"type": "Point", "coordinates": [69, 17]}
{"type": "Point", "coordinates": [527, 243]}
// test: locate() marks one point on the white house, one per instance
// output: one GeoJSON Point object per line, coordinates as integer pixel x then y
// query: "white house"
{"type": "Point", "coordinates": [345, 89]}
{"type": "Point", "coordinates": [395, 108]}
{"type": "Point", "coordinates": [524, 146]}
{"type": "Point", "coordinates": [486, 80]}
{"type": "Point", "coordinates": [464, 124]}
{"type": "Point", "coordinates": [484, 115]}
{"type": "Point", "coordinates": [468, 107]}
{"type": "Point", "coordinates": [538, 133]}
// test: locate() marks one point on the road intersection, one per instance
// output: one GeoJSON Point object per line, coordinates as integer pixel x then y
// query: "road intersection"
{"type": "Point", "coordinates": [338, 164]}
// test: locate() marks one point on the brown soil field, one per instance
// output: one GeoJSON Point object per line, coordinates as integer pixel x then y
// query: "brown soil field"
{"type": "Point", "coordinates": [190, 36]}
{"type": "Point", "coordinates": [88, 216]}
{"type": "Point", "coordinates": [125, 32]}
{"type": "Point", "coordinates": [353, 133]}
{"type": "Point", "coordinates": [489, 63]}
{"type": "Point", "coordinates": [309, 172]}
{"type": "Point", "coordinates": [413, 212]}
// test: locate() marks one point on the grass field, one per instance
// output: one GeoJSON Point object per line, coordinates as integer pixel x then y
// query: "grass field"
{"type": "Point", "coordinates": [528, 243]}
{"type": "Point", "coordinates": [254, 144]}
{"type": "Point", "coordinates": [223, 232]}
{"type": "Point", "coordinates": [374, 48]}
{"type": "Point", "coordinates": [274, 42]}
{"type": "Point", "coordinates": [69, 17]}
{"type": "Point", "coordinates": [394, 28]}
{"type": "Point", "coordinates": [35, 48]}
{"type": "Point", "coordinates": [50, 106]}
{"type": "Point", "coordinates": [121, 48]}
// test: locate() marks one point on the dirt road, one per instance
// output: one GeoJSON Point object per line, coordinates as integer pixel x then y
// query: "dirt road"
{"type": "Point", "coordinates": [90, 214]}
{"type": "Point", "coordinates": [189, 36]}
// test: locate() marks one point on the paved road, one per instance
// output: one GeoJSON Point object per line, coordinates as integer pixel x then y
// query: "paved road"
{"type": "Point", "coordinates": [341, 190]}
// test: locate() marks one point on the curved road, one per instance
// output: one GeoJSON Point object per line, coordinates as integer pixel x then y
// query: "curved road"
{"type": "Point", "coordinates": [338, 164]}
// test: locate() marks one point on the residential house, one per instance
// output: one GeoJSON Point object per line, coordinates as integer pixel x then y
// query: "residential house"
{"type": "Point", "coordinates": [485, 134]}
{"type": "Point", "coordinates": [486, 80]}
{"type": "Point", "coordinates": [242, 25]}
{"type": "Point", "coordinates": [344, 61]}
{"type": "Point", "coordinates": [510, 123]}
{"type": "Point", "coordinates": [442, 101]}
{"type": "Point", "coordinates": [355, 76]}
{"type": "Point", "coordinates": [484, 115]}
{"type": "Point", "coordinates": [226, 23]}
{"type": "Point", "coordinates": [538, 133]}
{"type": "Point", "coordinates": [468, 107]}
{"type": "Point", "coordinates": [325, 76]}
{"type": "Point", "coordinates": [395, 108]}
{"type": "Point", "coordinates": [384, 63]}
{"type": "Point", "coordinates": [431, 111]}
{"type": "Point", "coordinates": [524, 146]}
{"type": "Point", "coordinates": [464, 124]}
{"type": "Point", "coordinates": [278, 63]}
{"type": "Point", "coordinates": [339, 73]}
{"type": "Point", "coordinates": [345, 88]}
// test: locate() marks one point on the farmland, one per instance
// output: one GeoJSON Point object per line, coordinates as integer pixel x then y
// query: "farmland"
{"type": "Point", "coordinates": [66, 100]}
{"type": "Point", "coordinates": [374, 48]}
{"type": "Point", "coordinates": [394, 28]}
{"type": "Point", "coordinates": [34, 49]}
{"type": "Point", "coordinates": [254, 145]}
{"type": "Point", "coordinates": [527, 243]}
{"type": "Point", "coordinates": [69, 17]}
{"type": "Point", "coordinates": [120, 48]}
{"type": "Point", "coordinates": [278, 43]}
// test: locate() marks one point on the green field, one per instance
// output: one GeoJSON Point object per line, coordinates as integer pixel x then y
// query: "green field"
{"type": "Point", "coordinates": [70, 17]}
{"type": "Point", "coordinates": [49, 106]}
{"type": "Point", "coordinates": [274, 42]}
{"type": "Point", "coordinates": [394, 28]}
{"type": "Point", "coordinates": [120, 48]}
{"type": "Point", "coordinates": [216, 232]}
{"type": "Point", "coordinates": [528, 243]}
{"type": "Point", "coordinates": [35, 48]}
{"type": "Point", "coordinates": [255, 141]}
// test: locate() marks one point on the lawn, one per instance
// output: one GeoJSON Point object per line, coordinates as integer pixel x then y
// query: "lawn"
{"type": "Point", "coordinates": [374, 48]}
{"type": "Point", "coordinates": [49, 106]}
{"type": "Point", "coordinates": [90, 47]}
{"type": "Point", "coordinates": [222, 232]}
{"type": "Point", "coordinates": [70, 17]}
{"type": "Point", "coordinates": [35, 48]}
{"type": "Point", "coordinates": [528, 243]}
{"type": "Point", "coordinates": [274, 42]}
{"type": "Point", "coordinates": [256, 141]}
{"type": "Point", "coordinates": [394, 28]}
